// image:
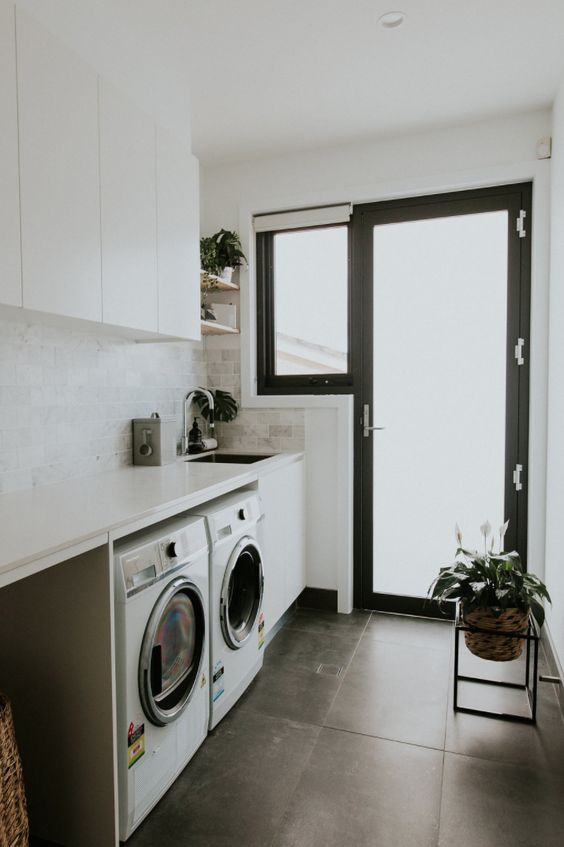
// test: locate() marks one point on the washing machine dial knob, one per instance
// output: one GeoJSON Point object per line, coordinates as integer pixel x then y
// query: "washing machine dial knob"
{"type": "Point", "coordinates": [171, 550]}
{"type": "Point", "coordinates": [243, 514]}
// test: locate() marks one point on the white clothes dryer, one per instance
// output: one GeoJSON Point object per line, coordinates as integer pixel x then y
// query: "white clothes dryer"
{"type": "Point", "coordinates": [236, 591]}
{"type": "Point", "coordinates": [162, 660]}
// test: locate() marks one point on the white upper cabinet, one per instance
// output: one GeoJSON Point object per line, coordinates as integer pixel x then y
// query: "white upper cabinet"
{"type": "Point", "coordinates": [178, 242]}
{"type": "Point", "coordinates": [10, 260]}
{"type": "Point", "coordinates": [60, 202]}
{"type": "Point", "coordinates": [129, 212]}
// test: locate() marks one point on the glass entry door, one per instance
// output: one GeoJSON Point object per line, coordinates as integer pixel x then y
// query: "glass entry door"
{"type": "Point", "coordinates": [444, 399]}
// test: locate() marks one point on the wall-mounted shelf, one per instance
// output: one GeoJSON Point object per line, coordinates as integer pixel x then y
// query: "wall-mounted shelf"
{"type": "Point", "coordinates": [214, 328]}
{"type": "Point", "coordinates": [219, 283]}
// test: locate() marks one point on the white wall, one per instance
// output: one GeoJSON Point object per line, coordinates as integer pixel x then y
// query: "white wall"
{"type": "Point", "coordinates": [446, 158]}
{"type": "Point", "coordinates": [555, 461]}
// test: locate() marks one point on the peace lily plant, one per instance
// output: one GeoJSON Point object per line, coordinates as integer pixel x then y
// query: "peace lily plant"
{"type": "Point", "coordinates": [496, 596]}
{"type": "Point", "coordinates": [493, 581]}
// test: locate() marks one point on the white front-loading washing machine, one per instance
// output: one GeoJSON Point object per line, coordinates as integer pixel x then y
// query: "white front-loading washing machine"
{"type": "Point", "coordinates": [236, 591]}
{"type": "Point", "coordinates": [162, 660]}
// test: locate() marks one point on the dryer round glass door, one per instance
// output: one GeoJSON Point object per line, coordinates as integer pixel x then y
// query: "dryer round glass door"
{"type": "Point", "coordinates": [172, 652]}
{"type": "Point", "coordinates": [241, 593]}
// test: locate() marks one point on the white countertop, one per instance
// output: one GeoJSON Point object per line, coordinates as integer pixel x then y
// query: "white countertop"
{"type": "Point", "coordinates": [54, 520]}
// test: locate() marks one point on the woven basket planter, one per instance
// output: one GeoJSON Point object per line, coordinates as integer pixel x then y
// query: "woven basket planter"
{"type": "Point", "coordinates": [14, 827]}
{"type": "Point", "coordinates": [496, 648]}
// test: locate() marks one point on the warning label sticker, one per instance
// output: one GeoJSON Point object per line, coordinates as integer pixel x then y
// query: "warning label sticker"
{"type": "Point", "coordinates": [218, 680]}
{"type": "Point", "coordinates": [135, 743]}
{"type": "Point", "coordinates": [261, 630]}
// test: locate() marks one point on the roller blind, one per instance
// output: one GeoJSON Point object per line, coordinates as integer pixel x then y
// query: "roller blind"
{"type": "Point", "coordinates": [300, 218]}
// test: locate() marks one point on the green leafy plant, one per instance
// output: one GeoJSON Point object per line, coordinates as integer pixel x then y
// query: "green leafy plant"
{"type": "Point", "coordinates": [209, 255]}
{"type": "Point", "coordinates": [225, 406]}
{"type": "Point", "coordinates": [229, 250]}
{"type": "Point", "coordinates": [495, 581]}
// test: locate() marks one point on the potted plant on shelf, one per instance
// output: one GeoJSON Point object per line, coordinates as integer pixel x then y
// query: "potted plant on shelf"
{"type": "Point", "coordinates": [221, 254]}
{"type": "Point", "coordinates": [209, 255]}
{"type": "Point", "coordinates": [495, 593]}
{"type": "Point", "coordinates": [229, 252]}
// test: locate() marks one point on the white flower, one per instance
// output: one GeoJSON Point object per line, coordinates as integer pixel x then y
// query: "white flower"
{"type": "Point", "coordinates": [485, 529]}
{"type": "Point", "coordinates": [458, 535]}
{"type": "Point", "coordinates": [502, 531]}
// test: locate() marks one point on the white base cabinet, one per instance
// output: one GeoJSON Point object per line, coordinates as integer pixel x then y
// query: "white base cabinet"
{"type": "Point", "coordinates": [282, 492]}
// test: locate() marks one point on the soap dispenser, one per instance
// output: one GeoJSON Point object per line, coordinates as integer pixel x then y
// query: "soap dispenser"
{"type": "Point", "coordinates": [195, 440]}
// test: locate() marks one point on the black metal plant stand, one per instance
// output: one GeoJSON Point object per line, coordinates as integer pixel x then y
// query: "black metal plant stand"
{"type": "Point", "coordinates": [530, 684]}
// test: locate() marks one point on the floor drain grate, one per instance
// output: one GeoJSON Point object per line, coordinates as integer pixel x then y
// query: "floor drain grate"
{"type": "Point", "coordinates": [329, 670]}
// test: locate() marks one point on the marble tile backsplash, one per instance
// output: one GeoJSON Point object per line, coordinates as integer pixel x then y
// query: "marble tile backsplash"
{"type": "Point", "coordinates": [252, 429]}
{"type": "Point", "coordinates": [67, 398]}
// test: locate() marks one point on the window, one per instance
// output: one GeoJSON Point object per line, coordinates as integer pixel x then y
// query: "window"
{"type": "Point", "coordinates": [303, 309]}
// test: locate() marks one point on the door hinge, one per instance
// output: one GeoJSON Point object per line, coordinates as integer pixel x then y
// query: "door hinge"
{"type": "Point", "coordinates": [519, 358]}
{"type": "Point", "coordinates": [517, 477]}
{"type": "Point", "coordinates": [521, 224]}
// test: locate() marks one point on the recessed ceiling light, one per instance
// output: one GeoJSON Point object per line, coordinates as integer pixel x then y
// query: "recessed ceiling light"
{"type": "Point", "coordinates": [391, 20]}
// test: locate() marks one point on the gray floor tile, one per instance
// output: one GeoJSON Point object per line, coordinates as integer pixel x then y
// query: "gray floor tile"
{"type": "Point", "coordinates": [312, 620]}
{"type": "Point", "coordinates": [236, 788]}
{"type": "Point", "coordinates": [310, 649]}
{"type": "Point", "coordinates": [417, 632]}
{"type": "Point", "coordinates": [289, 690]}
{"type": "Point", "coordinates": [364, 792]}
{"type": "Point", "coordinates": [538, 746]}
{"type": "Point", "coordinates": [492, 804]}
{"type": "Point", "coordinates": [394, 691]}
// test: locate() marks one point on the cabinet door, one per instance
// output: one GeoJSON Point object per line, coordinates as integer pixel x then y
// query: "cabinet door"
{"type": "Point", "coordinates": [296, 538]}
{"type": "Point", "coordinates": [60, 198]}
{"type": "Point", "coordinates": [178, 240]}
{"type": "Point", "coordinates": [283, 538]}
{"type": "Point", "coordinates": [10, 261]}
{"type": "Point", "coordinates": [129, 212]}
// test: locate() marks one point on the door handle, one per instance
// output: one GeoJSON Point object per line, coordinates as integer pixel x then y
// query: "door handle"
{"type": "Point", "coordinates": [366, 428]}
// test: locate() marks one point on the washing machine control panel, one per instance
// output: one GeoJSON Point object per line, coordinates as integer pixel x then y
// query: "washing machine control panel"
{"type": "Point", "coordinates": [141, 566]}
{"type": "Point", "coordinates": [143, 560]}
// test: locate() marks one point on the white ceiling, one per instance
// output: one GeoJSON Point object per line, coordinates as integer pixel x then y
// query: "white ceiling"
{"type": "Point", "coordinates": [268, 78]}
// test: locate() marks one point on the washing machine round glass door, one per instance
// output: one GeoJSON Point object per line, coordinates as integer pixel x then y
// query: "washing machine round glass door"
{"type": "Point", "coordinates": [241, 593]}
{"type": "Point", "coordinates": [172, 651]}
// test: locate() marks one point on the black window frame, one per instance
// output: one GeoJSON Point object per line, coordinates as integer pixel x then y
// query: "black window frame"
{"type": "Point", "coordinates": [268, 381]}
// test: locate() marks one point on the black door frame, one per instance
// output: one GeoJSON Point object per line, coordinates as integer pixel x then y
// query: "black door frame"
{"type": "Point", "coordinates": [513, 198]}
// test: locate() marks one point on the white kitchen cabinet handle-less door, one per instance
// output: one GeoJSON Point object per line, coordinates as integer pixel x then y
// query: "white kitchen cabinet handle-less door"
{"type": "Point", "coordinates": [129, 212]}
{"type": "Point", "coordinates": [10, 260]}
{"type": "Point", "coordinates": [60, 194]}
{"type": "Point", "coordinates": [178, 242]}
{"type": "Point", "coordinates": [282, 493]}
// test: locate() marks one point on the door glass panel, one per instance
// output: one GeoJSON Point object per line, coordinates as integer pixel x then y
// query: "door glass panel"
{"type": "Point", "coordinates": [440, 312]}
{"type": "Point", "coordinates": [311, 301]}
{"type": "Point", "coordinates": [176, 637]}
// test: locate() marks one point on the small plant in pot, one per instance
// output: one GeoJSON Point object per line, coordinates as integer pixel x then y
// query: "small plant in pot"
{"type": "Point", "coordinates": [209, 256]}
{"type": "Point", "coordinates": [495, 593]}
{"type": "Point", "coordinates": [229, 251]}
{"type": "Point", "coordinates": [225, 406]}
{"type": "Point", "coordinates": [221, 254]}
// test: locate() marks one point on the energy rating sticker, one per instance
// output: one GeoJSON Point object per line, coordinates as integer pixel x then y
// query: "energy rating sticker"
{"type": "Point", "coordinates": [261, 630]}
{"type": "Point", "coordinates": [135, 743]}
{"type": "Point", "coordinates": [217, 681]}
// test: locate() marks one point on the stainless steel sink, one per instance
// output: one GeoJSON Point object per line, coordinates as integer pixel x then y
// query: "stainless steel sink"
{"type": "Point", "coordinates": [232, 458]}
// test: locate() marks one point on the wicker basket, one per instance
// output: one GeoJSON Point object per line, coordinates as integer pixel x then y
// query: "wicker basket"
{"type": "Point", "coordinates": [495, 647]}
{"type": "Point", "coordinates": [14, 827]}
